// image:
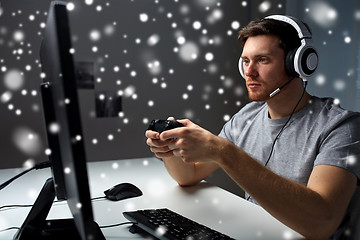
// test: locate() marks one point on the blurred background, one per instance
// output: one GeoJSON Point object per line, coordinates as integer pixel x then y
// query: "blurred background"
{"type": "Point", "coordinates": [159, 58]}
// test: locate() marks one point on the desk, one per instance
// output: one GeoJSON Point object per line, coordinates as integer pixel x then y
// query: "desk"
{"type": "Point", "coordinates": [204, 203]}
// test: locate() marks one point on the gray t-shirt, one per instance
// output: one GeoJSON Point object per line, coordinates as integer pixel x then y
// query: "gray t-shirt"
{"type": "Point", "coordinates": [321, 133]}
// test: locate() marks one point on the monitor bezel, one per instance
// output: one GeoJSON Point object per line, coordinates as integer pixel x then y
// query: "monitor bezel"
{"type": "Point", "coordinates": [68, 157]}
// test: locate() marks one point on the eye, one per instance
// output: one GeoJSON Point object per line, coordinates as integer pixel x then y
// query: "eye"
{"type": "Point", "coordinates": [263, 60]}
{"type": "Point", "coordinates": [246, 61]}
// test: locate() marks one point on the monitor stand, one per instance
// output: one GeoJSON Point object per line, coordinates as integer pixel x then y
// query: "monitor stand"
{"type": "Point", "coordinates": [37, 227]}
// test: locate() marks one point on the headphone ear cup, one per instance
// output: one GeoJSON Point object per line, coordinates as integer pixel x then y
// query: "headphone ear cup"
{"type": "Point", "coordinates": [289, 63]}
{"type": "Point", "coordinates": [308, 61]}
{"type": "Point", "coordinates": [241, 66]}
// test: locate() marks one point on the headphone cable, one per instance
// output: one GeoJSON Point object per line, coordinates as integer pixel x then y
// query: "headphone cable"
{"type": "Point", "coordinates": [283, 127]}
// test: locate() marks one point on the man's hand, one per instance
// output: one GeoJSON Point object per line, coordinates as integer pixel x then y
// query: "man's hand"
{"type": "Point", "coordinates": [192, 143]}
{"type": "Point", "coordinates": [158, 147]}
{"type": "Point", "coordinates": [186, 152]}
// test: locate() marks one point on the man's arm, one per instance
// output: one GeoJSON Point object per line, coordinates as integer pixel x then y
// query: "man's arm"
{"type": "Point", "coordinates": [315, 210]}
{"type": "Point", "coordinates": [188, 174]}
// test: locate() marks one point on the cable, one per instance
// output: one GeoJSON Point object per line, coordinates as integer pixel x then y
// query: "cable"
{"type": "Point", "coordinates": [37, 166]}
{"type": "Point", "coordinates": [41, 166]}
{"type": "Point", "coordinates": [282, 128]}
{"type": "Point", "coordinates": [23, 205]}
{"type": "Point", "coordinates": [116, 225]}
{"type": "Point", "coordinates": [105, 226]}
{"type": "Point", "coordinates": [98, 198]}
{"type": "Point", "coordinates": [9, 228]}
{"type": "Point", "coordinates": [15, 206]}
{"type": "Point", "coordinates": [30, 205]}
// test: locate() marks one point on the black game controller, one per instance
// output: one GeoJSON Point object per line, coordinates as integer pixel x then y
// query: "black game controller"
{"type": "Point", "coordinates": [159, 126]}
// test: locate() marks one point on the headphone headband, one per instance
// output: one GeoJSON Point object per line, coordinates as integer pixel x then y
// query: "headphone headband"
{"type": "Point", "coordinates": [303, 31]}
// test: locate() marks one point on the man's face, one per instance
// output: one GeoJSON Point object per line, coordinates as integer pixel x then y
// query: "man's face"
{"type": "Point", "coordinates": [264, 66]}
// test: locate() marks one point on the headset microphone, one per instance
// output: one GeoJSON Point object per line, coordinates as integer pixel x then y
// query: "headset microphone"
{"type": "Point", "coordinates": [278, 89]}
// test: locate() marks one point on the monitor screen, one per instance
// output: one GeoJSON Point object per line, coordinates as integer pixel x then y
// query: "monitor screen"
{"type": "Point", "coordinates": [64, 129]}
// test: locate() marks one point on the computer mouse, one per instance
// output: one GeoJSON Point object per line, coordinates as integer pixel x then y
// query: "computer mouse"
{"type": "Point", "coordinates": [122, 191]}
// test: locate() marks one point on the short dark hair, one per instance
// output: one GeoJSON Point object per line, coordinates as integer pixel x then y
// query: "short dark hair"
{"type": "Point", "coordinates": [287, 34]}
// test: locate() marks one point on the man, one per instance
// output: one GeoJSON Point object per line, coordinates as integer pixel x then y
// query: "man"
{"type": "Point", "coordinates": [294, 154]}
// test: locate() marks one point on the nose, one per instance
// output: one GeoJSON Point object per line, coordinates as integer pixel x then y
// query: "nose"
{"type": "Point", "coordinates": [250, 69]}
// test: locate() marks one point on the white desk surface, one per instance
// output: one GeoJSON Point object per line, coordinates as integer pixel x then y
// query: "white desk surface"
{"type": "Point", "coordinates": [205, 203]}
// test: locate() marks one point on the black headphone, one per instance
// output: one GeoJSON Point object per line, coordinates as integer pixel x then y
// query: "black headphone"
{"type": "Point", "coordinates": [299, 62]}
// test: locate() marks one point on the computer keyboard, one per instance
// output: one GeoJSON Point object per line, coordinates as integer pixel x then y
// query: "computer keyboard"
{"type": "Point", "coordinates": [165, 224]}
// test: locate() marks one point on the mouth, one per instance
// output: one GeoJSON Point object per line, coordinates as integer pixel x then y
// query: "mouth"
{"type": "Point", "coordinates": [253, 85]}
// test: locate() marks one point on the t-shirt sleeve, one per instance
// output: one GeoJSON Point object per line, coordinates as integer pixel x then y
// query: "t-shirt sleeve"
{"type": "Point", "coordinates": [232, 128]}
{"type": "Point", "coordinates": [226, 131]}
{"type": "Point", "coordinates": [240, 120]}
{"type": "Point", "coordinates": [341, 145]}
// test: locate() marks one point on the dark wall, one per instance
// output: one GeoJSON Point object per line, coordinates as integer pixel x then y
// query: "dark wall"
{"type": "Point", "coordinates": [151, 52]}
{"type": "Point", "coordinates": [165, 58]}
{"type": "Point", "coordinates": [336, 32]}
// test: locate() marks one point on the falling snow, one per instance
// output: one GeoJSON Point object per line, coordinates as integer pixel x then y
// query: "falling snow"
{"type": "Point", "coordinates": [160, 231]}
{"type": "Point", "coordinates": [176, 58]}
{"type": "Point", "coordinates": [351, 160]}
{"type": "Point", "coordinates": [162, 58]}
{"type": "Point", "coordinates": [323, 13]}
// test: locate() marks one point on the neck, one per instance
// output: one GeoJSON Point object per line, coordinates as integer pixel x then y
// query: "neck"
{"type": "Point", "coordinates": [282, 104]}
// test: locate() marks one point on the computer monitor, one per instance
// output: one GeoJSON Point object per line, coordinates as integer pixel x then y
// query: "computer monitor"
{"type": "Point", "coordinates": [65, 140]}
